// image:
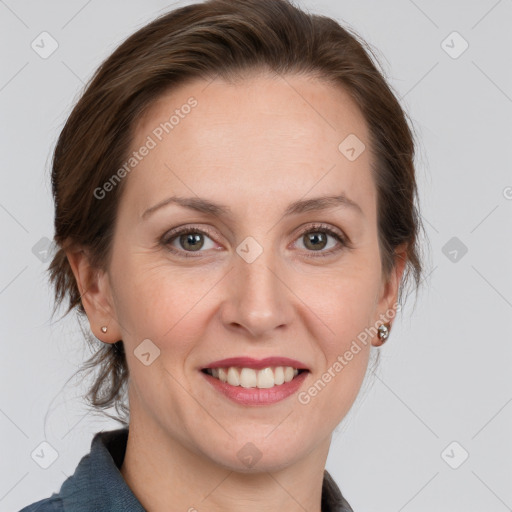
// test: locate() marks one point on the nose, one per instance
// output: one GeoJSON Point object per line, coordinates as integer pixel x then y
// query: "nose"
{"type": "Point", "coordinates": [258, 299]}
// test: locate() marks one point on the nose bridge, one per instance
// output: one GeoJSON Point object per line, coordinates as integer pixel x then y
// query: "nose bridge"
{"type": "Point", "coordinates": [259, 300]}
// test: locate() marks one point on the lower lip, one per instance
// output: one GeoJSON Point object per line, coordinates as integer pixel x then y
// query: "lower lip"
{"type": "Point", "coordinates": [257, 396]}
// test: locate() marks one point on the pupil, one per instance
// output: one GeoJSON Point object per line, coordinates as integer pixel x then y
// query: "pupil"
{"type": "Point", "coordinates": [316, 239]}
{"type": "Point", "coordinates": [193, 240]}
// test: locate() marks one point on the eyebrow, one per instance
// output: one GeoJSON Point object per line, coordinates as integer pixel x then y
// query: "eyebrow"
{"type": "Point", "coordinates": [301, 206]}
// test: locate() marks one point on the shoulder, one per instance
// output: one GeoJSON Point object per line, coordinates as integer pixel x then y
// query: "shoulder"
{"type": "Point", "coordinates": [97, 483]}
{"type": "Point", "coordinates": [51, 504]}
{"type": "Point", "coordinates": [332, 499]}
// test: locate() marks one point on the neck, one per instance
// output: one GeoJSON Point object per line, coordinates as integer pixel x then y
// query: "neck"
{"type": "Point", "coordinates": [161, 472]}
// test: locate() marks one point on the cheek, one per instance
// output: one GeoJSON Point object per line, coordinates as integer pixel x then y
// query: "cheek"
{"type": "Point", "coordinates": [161, 303]}
{"type": "Point", "coordinates": [347, 311]}
{"type": "Point", "coordinates": [347, 307]}
{"type": "Point", "coordinates": [348, 317]}
{"type": "Point", "coordinates": [347, 303]}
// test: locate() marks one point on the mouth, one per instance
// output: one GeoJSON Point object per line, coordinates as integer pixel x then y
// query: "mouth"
{"type": "Point", "coordinates": [246, 372]}
{"type": "Point", "coordinates": [256, 383]}
{"type": "Point", "coordinates": [246, 377]}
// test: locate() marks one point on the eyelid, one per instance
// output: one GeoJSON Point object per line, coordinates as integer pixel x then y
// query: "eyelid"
{"type": "Point", "coordinates": [175, 232]}
{"type": "Point", "coordinates": [343, 240]}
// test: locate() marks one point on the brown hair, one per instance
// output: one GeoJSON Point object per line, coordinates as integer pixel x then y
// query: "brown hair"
{"type": "Point", "coordinates": [216, 38]}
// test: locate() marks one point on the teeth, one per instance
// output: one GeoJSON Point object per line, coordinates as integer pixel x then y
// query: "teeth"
{"type": "Point", "coordinates": [265, 378]}
{"type": "Point", "coordinates": [288, 373]}
{"type": "Point", "coordinates": [279, 376]}
{"type": "Point", "coordinates": [233, 377]}
{"type": "Point", "coordinates": [222, 375]}
{"type": "Point", "coordinates": [250, 378]}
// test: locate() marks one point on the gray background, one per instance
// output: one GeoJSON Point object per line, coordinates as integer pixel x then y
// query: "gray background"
{"type": "Point", "coordinates": [445, 371]}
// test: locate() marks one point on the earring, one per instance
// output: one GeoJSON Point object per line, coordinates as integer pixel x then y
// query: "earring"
{"type": "Point", "coordinates": [104, 329]}
{"type": "Point", "coordinates": [383, 333]}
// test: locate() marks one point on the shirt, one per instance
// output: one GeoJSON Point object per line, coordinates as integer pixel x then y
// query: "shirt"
{"type": "Point", "coordinates": [97, 484]}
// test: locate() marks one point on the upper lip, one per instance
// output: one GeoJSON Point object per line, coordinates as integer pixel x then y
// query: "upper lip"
{"type": "Point", "coordinates": [257, 364]}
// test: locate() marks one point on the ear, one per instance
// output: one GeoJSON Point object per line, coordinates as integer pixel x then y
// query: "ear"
{"type": "Point", "coordinates": [96, 295]}
{"type": "Point", "coordinates": [388, 298]}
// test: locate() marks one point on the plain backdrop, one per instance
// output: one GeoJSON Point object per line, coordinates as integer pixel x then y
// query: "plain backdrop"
{"type": "Point", "coordinates": [432, 431]}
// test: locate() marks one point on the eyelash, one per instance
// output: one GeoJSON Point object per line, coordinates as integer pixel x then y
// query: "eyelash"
{"type": "Point", "coordinates": [316, 228]}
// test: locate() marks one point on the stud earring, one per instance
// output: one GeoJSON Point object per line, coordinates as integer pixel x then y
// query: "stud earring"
{"type": "Point", "coordinates": [104, 329]}
{"type": "Point", "coordinates": [383, 332]}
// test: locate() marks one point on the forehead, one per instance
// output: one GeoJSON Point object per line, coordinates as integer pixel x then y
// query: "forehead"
{"type": "Point", "coordinates": [261, 136]}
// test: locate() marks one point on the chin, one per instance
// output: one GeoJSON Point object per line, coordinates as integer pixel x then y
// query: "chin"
{"type": "Point", "coordinates": [260, 453]}
{"type": "Point", "coordinates": [254, 462]}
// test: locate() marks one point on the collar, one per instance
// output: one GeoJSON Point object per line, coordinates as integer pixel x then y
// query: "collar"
{"type": "Point", "coordinates": [97, 483]}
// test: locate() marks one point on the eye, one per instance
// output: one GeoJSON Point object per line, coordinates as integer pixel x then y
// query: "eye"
{"type": "Point", "coordinates": [316, 239]}
{"type": "Point", "coordinates": [187, 240]}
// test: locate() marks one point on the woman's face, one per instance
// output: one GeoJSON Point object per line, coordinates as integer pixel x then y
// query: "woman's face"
{"type": "Point", "coordinates": [245, 281]}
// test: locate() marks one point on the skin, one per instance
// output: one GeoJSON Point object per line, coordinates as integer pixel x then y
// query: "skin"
{"type": "Point", "coordinates": [256, 147]}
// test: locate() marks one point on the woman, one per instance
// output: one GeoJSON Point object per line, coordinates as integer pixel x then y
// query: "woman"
{"type": "Point", "coordinates": [236, 215]}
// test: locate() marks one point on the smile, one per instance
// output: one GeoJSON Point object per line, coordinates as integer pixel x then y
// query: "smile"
{"type": "Point", "coordinates": [264, 378]}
